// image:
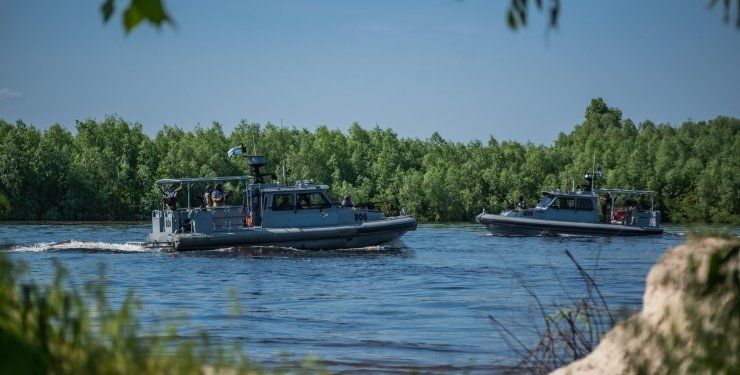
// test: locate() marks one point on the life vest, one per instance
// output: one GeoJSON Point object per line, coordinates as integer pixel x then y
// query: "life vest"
{"type": "Point", "coordinates": [620, 215]}
{"type": "Point", "coordinates": [249, 220]}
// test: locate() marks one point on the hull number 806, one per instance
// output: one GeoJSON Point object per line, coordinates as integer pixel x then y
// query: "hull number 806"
{"type": "Point", "coordinates": [360, 217]}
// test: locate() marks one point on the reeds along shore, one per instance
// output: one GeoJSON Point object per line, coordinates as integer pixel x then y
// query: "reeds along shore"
{"type": "Point", "coordinates": [105, 170]}
{"type": "Point", "coordinates": [568, 331]}
{"type": "Point", "coordinates": [689, 323]}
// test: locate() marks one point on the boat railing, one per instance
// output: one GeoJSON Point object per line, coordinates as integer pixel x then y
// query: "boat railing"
{"type": "Point", "coordinates": [228, 218]}
{"type": "Point", "coordinates": [190, 182]}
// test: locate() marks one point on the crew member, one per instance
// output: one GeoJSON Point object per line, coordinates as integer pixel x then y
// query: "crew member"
{"type": "Point", "coordinates": [170, 196]}
{"type": "Point", "coordinates": [303, 202]}
{"type": "Point", "coordinates": [606, 208]}
{"type": "Point", "coordinates": [347, 201]}
{"type": "Point", "coordinates": [218, 197]}
{"type": "Point", "coordinates": [520, 205]}
{"type": "Point", "coordinates": [207, 200]}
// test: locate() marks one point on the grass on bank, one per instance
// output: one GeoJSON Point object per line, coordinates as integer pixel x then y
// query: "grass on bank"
{"type": "Point", "coordinates": [52, 329]}
{"type": "Point", "coordinates": [703, 337]}
{"type": "Point", "coordinates": [569, 333]}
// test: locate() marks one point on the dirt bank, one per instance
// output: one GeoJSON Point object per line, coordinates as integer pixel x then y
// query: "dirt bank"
{"type": "Point", "coordinates": [690, 320]}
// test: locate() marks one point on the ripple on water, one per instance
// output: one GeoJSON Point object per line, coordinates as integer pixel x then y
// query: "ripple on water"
{"type": "Point", "coordinates": [421, 304]}
{"type": "Point", "coordinates": [73, 245]}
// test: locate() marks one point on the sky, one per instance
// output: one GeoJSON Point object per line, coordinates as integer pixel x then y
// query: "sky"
{"type": "Point", "coordinates": [413, 66]}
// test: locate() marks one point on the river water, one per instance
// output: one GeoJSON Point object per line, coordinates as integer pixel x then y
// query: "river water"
{"type": "Point", "coordinates": [422, 303]}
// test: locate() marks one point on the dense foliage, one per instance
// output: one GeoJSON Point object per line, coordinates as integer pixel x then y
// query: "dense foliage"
{"type": "Point", "coordinates": [105, 170]}
{"type": "Point", "coordinates": [60, 328]}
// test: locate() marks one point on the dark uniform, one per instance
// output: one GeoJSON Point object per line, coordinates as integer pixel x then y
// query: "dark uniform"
{"type": "Point", "coordinates": [606, 209]}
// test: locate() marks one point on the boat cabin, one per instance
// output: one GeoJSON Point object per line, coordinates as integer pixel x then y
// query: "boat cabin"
{"type": "Point", "coordinates": [586, 206]}
{"type": "Point", "coordinates": [258, 204]}
{"type": "Point", "coordinates": [301, 205]}
{"type": "Point", "coordinates": [562, 206]}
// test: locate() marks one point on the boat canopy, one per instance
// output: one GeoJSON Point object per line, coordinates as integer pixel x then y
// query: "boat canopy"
{"type": "Point", "coordinates": [168, 181]}
{"type": "Point", "coordinates": [626, 191]}
{"type": "Point", "coordinates": [597, 191]}
{"type": "Point", "coordinates": [295, 188]}
{"type": "Point", "coordinates": [559, 192]}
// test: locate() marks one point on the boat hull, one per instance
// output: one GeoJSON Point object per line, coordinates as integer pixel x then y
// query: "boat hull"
{"type": "Point", "coordinates": [313, 238]}
{"type": "Point", "coordinates": [518, 226]}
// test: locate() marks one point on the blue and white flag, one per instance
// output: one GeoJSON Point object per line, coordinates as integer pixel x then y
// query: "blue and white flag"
{"type": "Point", "coordinates": [236, 151]}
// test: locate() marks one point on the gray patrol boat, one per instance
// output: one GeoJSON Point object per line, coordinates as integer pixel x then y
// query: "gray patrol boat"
{"type": "Point", "coordinates": [576, 213]}
{"type": "Point", "coordinates": [271, 214]}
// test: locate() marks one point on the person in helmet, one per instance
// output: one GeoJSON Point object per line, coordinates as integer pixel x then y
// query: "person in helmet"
{"type": "Point", "coordinates": [218, 198]}
{"type": "Point", "coordinates": [207, 199]}
{"type": "Point", "coordinates": [347, 201]}
{"type": "Point", "coordinates": [520, 204]}
{"type": "Point", "coordinates": [170, 196]}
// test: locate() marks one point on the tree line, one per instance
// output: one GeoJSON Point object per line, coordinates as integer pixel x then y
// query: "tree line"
{"type": "Point", "coordinates": [105, 170]}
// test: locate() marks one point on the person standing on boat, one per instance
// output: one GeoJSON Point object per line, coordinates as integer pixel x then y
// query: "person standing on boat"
{"type": "Point", "coordinates": [207, 201]}
{"type": "Point", "coordinates": [217, 197]}
{"type": "Point", "coordinates": [606, 208]}
{"type": "Point", "coordinates": [347, 201]}
{"type": "Point", "coordinates": [520, 205]}
{"type": "Point", "coordinates": [643, 203]}
{"type": "Point", "coordinates": [170, 196]}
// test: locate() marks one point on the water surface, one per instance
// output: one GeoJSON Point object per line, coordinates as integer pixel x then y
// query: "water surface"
{"type": "Point", "coordinates": [421, 303]}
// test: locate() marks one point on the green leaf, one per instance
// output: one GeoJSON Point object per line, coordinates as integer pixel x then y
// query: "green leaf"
{"type": "Point", "coordinates": [153, 10]}
{"type": "Point", "coordinates": [554, 13]}
{"type": "Point", "coordinates": [139, 10]}
{"type": "Point", "coordinates": [512, 20]}
{"type": "Point", "coordinates": [107, 9]}
{"type": "Point", "coordinates": [132, 17]}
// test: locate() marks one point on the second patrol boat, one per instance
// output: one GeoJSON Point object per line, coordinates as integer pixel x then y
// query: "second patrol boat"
{"type": "Point", "coordinates": [576, 213]}
{"type": "Point", "coordinates": [272, 214]}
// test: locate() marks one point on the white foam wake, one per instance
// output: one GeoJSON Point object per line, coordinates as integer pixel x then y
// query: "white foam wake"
{"type": "Point", "coordinates": [80, 245]}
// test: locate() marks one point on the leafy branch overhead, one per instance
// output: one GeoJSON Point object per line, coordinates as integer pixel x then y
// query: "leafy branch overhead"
{"type": "Point", "coordinates": [154, 12]}
{"type": "Point", "coordinates": [516, 17]}
{"type": "Point", "coordinates": [137, 11]}
{"type": "Point", "coordinates": [727, 5]}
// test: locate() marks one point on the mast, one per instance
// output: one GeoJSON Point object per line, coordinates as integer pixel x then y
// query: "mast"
{"type": "Point", "coordinates": [255, 163]}
{"type": "Point", "coordinates": [593, 172]}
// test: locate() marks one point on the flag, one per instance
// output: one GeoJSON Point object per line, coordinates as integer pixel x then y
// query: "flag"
{"type": "Point", "coordinates": [236, 151]}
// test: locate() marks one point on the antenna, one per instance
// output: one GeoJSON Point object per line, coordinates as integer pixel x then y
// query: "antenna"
{"type": "Point", "coordinates": [254, 145]}
{"type": "Point", "coordinates": [593, 171]}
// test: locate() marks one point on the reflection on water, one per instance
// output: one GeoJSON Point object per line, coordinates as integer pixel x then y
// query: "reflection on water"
{"type": "Point", "coordinates": [421, 303]}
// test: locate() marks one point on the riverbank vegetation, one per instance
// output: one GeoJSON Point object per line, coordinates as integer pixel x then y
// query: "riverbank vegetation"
{"type": "Point", "coordinates": [58, 328]}
{"type": "Point", "coordinates": [567, 334]}
{"type": "Point", "coordinates": [105, 170]}
{"type": "Point", "coordinates": [689, 321]}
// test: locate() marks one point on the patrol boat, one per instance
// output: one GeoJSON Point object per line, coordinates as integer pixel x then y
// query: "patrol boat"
{"type": "Point", "coordinates": [271, 214]}
{"type": "Point", "coordinates": [576, 213]}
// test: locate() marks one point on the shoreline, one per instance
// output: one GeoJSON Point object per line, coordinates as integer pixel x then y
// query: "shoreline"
{"type": "Point", "coordinates": [142, 222]}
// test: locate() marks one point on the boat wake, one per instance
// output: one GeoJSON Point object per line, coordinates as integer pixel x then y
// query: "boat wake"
{"type": "Point", "coordinates": [287, 249]}
{"type": "Point", "coordinates": [72, 245]}
{"type": "Point", "coordinates": [140, 247]}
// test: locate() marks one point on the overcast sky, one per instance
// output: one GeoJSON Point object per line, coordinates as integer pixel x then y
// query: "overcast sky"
{"type": "Point", "coordinates": [413, 66]}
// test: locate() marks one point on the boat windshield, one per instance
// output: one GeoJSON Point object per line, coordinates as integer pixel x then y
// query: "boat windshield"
{"type": "Point", "coordinates": [545, 202]}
